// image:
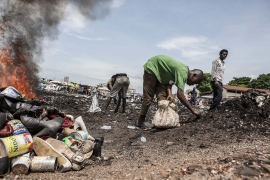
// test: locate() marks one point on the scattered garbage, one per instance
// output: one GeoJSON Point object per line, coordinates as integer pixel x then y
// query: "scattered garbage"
{"type": "Point", "coordinates": [21, 164]}
{"type": "Point", "coordinates": [81, 135]}
{"type": "Point", "coordinates": [143, 139]}
{"type": "Point", "coordinates": [35, 135]}
{"type": "Point", "coordinates": [43, 164]}
{"type": "Point", "coordinates": [106, 127]}
{"type": "Point", "coordinates": [259, 99]}
{"type": "Point", "coordinates": [17, 145]}
{"type": "Point", "coordinates": [131, 127]}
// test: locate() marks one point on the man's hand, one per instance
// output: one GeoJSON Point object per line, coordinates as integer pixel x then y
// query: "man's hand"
{"type": "Point", "coordinates": [197, 113]}
{"type": "Point", "coordinates": [183, 100]}
{"type": "Point", "coordinates": [170, 98]}
{"type": "Point", "coordinates": [216, 83]}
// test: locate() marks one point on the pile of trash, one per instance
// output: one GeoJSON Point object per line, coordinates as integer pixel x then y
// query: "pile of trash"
{"type": "Point", "coordinates": [38, 137]}
{"type": "Point", "coordinates": [246, 114]}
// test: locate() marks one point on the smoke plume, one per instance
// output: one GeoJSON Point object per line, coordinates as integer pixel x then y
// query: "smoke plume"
{"type": "Point", "coordinates": [24, 24]}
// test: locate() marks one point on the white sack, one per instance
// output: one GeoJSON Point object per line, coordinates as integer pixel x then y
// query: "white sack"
{"type": "Point", "coordinates": [166, 115]}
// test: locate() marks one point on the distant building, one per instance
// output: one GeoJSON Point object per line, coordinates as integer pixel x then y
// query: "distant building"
{"type": "Point", "coordinates": [131, 91]}
{"type": "Point", "coordinates": [230, 92]}
{"type": "Point", "coordinates": [66, 79]}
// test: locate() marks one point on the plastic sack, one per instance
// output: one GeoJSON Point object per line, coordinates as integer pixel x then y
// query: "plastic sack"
{"type": "Point", "coordinates": [166, 115]}
{"type": "Point", "coordinates": [94, 106]}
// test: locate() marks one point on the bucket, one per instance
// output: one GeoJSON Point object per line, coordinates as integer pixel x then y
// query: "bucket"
{"type": "Point", "coordinates": [79, 135]}
{"type": "Point", "coordinates": [43, 164]}
{"type": "Point", "coordinates": [21, 164]}
{"type": "Point", "coordinates": [18, 127]}
{"type": "Point", "coordinates": [17, 145]}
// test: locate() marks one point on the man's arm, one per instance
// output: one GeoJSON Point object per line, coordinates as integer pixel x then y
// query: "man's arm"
{"type": "Point", "coordinates": [183, 100]}
{"type": "Point", "coordinates": [214, 71]}
{"type": "Point", "coordinates": [169, 91]}
{"type": "Point", "coordinates": [109, 86]}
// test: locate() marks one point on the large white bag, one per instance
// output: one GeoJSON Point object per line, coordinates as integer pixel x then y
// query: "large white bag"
{"type": "Point", "coordinates": [94, 106]}
{"type": "Point", "coordinates": [166, 115]}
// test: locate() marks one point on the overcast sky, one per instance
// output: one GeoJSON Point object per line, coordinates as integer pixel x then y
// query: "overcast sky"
{"type": "Point", "coordinates": [191, 31]}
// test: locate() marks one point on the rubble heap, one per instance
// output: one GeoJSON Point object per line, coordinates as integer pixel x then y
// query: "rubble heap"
{"type": "Point", "coordinates": [245, 114]}
{"type": "Point", "coordinates": [37, 136]}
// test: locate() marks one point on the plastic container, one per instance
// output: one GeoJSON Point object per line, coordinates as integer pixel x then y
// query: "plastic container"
{"type": "Point", "coordinates": [81, 135]}
{"type": "Point", "coordinates": [17, 145]}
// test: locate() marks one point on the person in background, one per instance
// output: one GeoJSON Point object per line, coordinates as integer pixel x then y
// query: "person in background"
{"type": "Point", "coordinates": [218, 68]}
{"type": "Point", "coordinates": [160, 73]}
{"type": "Point", "coordinates": [110, 88]}
{"type": "Point", "coordinates": [193, 98]}
{"type": "Point", "coordinates": [119, 84]}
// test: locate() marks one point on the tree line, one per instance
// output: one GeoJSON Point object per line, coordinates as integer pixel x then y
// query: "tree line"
{"type": "Point", "coordinates": [261, 82]}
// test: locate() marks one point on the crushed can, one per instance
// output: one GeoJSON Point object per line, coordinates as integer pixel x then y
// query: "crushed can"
{"type": "Point", "coordinates": [21, 164]}
{"type": "Point", "coordinates": [17, 145]}
{"type": "Point", "coordinates": [43, 164]}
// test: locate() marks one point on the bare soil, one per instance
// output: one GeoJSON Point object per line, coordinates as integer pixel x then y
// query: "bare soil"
{"type": "Point", "coordinates": [229, 143]}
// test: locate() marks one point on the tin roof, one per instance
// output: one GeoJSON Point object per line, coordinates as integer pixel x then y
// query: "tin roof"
{"type": "Point", "coordinates": [242, 89]}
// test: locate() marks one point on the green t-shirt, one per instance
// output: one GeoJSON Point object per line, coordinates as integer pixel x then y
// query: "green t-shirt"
{"type": "Point", "coordinates": [167, 70]}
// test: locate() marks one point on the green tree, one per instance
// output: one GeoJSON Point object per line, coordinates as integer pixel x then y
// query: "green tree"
{"type": "Point", "coordinates": [240, 81]}
{"type": "Point", "coordinates": [205, 85]}
{"type": "Point", "coordinates": [262, 82]}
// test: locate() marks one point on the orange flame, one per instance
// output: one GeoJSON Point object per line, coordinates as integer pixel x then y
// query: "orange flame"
{"type": "Point", "coordinates": [15, 76]}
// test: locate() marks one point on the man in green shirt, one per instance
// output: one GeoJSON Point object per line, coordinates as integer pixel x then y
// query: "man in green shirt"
{"type": "Point", "coordinates": [160, 73]}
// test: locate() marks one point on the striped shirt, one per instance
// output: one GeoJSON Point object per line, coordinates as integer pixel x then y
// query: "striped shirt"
{"type": "Point", "coordinates": [218, 68]}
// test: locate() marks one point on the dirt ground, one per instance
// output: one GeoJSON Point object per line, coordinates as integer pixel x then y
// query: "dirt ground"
{"type": "Point", "coordinates": [230, 143]}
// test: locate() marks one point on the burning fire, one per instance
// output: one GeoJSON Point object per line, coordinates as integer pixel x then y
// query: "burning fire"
{"type": "Point", "coordinates": [15, 75]}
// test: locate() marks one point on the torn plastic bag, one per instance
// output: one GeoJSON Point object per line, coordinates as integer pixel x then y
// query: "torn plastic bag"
{"type": "Point", "coordinates": [6, 104]}
{"type": "Point", "coordinates": [166, 115]}
{"type": "Point", "coordinates": [94, 106]}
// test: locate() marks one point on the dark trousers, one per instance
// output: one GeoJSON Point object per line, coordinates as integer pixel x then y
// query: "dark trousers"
{"type": "Point", "coordinates": [151, 87]}
{"type": "Point", "coordinates": [193, 101]}
{"type": "Point", "coordinates": [217, 94]}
